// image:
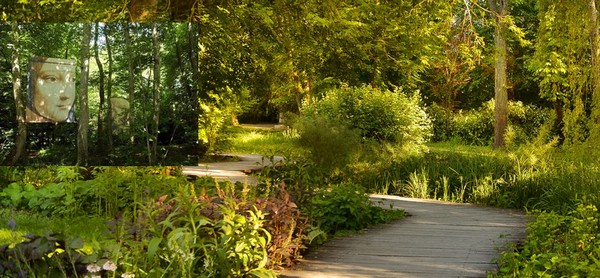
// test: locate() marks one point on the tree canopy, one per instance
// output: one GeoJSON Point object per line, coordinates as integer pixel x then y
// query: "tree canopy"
{"type": "Point", "coordinates": [257, 60]}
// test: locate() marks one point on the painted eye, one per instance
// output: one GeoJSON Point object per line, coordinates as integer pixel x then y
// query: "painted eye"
{"type": "Point", "coordinates": [50, 78]}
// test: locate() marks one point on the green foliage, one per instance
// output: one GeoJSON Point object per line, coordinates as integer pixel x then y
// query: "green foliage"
{"type": "Point", "coordinates": [448, 171]}
{"type": "Point", "coordinates": [534, 176]}
{"type": "Point", "coordinates": [218, 232]}
{"type": "Point", "coordinates": [241, 245]}
{"type": "Point", "coordinates": [331, 145]}
{"type": "Point", "coordinates": [557, 246]}
{"type": "Point", "coordinates": [89, 228]}
{"type": "Point", "coordinates": [50, 255]}
{"type": "Point", "coordinates": [344, 207]}
{"type": "Point", "coordinates": [379, 115]}
{"type": "Point", "coordinates": [476, 127]}
{"type": "Point", "coordinates": [350, 127]}
{"type": "Point", "coordinates": [112, 190]}
{"type": "Point", "coordinates": [214, 123]}
{"type": "Point", "coordinates": [417, 185]}
{"type": "Point", "coordinates": [442, 123]}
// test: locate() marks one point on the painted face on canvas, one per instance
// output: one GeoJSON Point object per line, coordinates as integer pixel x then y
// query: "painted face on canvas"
{"type": "Point", "coordinates": [54, 92]}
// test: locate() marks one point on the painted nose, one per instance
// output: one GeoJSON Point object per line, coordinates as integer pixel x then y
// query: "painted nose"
{"type": "Point", "coordinates": [64, 97]}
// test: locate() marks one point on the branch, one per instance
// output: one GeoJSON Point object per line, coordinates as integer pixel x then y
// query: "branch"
{"type": "Point", "coordinates": [493, 6]}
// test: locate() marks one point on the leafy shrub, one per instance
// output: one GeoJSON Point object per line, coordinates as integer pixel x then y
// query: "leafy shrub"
{"type": "Point", "coordinates": [344, 207]}
{"type": "Point", "coordinates": [376, 114]}
{"type": "Point", "coordinates": [476, 127]}
{"type": "Point", "coordinates": [286, 225]}
{"type": "Point", "coordinates": [557, 246]}
{"type": "Point", "coordinates": [331, 144]}
{"type": "Point", "coordinates": [113, 190]}
{"type": "Point", "coordinates": [50, 255]}
{"type": "Point", "coordinates": [526, 121]}
{"type": "Point", "coordinates": [7, 175]}
{"type": "Point", "coordinates": [214, 122]}
{"type": "Point", "coordinates": [442, 123]}
{"type": "Point", "coordinates": [218, 232]}
{"type": "Point", "coordinates": [240, 246]}
{"type": "Point", "coordinates": [344, 127]}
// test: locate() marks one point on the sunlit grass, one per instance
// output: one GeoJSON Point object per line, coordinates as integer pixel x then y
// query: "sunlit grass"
{"type": "Point", "coordinates": [462, 149]}
{"type": "Point", "coordinates": [88, 228]}
{"type": "Point", "coordinates": [264, 142]}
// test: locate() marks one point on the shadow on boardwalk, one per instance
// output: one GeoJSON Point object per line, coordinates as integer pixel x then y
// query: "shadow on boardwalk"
{"type": "Point", "coordinates": [438, 240]}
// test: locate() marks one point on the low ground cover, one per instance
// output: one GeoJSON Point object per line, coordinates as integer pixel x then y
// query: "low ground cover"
{"type": "Point", "coordinates": [557, 245]}
{"type": "Point", "coordinates": [558, 184]}
{"type": "Point", "coordinates": [151, 222]}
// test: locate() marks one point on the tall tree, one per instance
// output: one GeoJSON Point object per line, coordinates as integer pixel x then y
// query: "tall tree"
{"type": "Point", "coordinates": [130, 82]}
{"type": "Point", "coordinates": [102, 100]}
{"type": "Point", "coordinates": [19, 97]}
{"type": "Point", "coordinates": [109, 118]}
{"type": "Point", "coordinates": [562, 64]}
{"type": "Point", "coordinates": [193, 56]}
{"type": "Point", "coordinates": [84, 114]}
{"type": "Point", "coordinates": [499, 10]}
{"type": "Point", "coordinates": [155, 90]}
{"type": "Point", "coordinates": [595, 48]}
{"type": "Point", "coordinates": [462, 49]}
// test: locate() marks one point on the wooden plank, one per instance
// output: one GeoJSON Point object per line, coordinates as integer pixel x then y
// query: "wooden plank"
{"type": "Point", "coordinates": [438, 240]}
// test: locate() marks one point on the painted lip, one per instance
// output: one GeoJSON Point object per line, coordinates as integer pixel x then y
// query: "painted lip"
{"type": "Point", "coordinates": [63, 107]}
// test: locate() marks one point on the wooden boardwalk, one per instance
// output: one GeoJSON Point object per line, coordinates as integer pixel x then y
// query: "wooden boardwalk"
{"type": "Point", "coordinates": [438, 240]}
{"type": "Point", "coordinates": [233, 171]}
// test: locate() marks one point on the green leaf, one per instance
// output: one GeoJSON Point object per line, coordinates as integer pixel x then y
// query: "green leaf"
{"type": "Point", "coordinates": [153, 247]}
{"type": "Point", "coordinates": [239, 247]}
{"type": "Point", "coordinates": [76, 243]}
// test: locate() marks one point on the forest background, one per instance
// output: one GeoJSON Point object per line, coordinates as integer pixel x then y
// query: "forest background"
{"type": "Point", "coordinates": [395, 97]}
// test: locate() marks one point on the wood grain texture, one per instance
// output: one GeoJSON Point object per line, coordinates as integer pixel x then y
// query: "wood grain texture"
{"type": "Point", "coordinates": [439, 239]}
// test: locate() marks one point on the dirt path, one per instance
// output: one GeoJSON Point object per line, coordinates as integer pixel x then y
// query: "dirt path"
{"type": "Point", "coordinates": [439, 240]}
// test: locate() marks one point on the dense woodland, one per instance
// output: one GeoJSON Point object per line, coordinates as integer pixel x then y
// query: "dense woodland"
{"type": "Point", "coordinates": [487, 102]}
{"type": "Point", "coordinates": [258, 60]}
{"type": "Point", "coordinates": [148, 65]}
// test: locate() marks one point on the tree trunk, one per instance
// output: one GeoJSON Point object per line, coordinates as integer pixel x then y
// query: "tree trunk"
{"type": "Point", "coordinates": [500, 10]}
{"type": "Point", "coordinates": [84, 115]}
{"type": "Point", "coordinates": [296, 80]}
{"type": "Point", "coordinates": [595, 47]}
{"type": "Point", "coordinates": [101, 110]}
{"type": "Point", "coordinates": [156, 90]}
{"type": "Point", "coordinates": [193, 56]}
{"type": "Point", "coordinates": [558, 122]}
{"type": "Point", "coordinates": [146, 99]}
{"type": "Point", "coordinates": [130, 83]}
{"type": "Point", "coordinates": [183, 69]}
{"type": "Point", "coordinates": [21, 137]}
{"type": "Point", "coordinates": [69, 38]}
{"type": "Point", "coordinates": [109, 119]}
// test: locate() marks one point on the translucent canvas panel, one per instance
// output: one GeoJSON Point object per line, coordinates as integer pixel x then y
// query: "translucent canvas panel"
{"type": "Point", "coordinates": [51, 90]}
{"type": "Point", "coordinates": [119, 112]}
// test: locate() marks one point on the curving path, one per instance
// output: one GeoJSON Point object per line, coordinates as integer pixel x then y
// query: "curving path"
{"type": "Point", "coordinates": [234, 170]}
{"type": "Point", "coordinates": [439, 239]}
